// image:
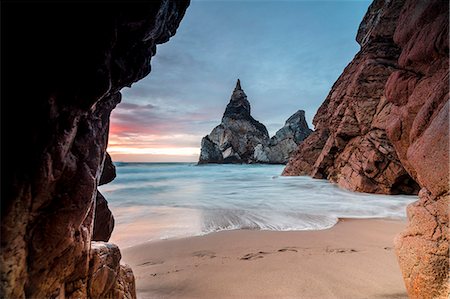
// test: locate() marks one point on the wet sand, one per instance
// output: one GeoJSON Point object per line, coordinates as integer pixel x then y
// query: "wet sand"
{"type": "Point", "coordinates": [354, 259]}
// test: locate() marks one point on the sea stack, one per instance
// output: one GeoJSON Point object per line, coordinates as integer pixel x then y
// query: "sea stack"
{"type": "Point", "coordinates": [285, 141]}
{"type": "Point", "coordinates": [235, 139]}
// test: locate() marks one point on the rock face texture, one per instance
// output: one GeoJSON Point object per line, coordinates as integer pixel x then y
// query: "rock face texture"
{"type": "Point", "coordinates": [350, 146]}
{"type": "Point", "coordinates": [385, 127]}
{"type": "Point", "coordinates": [418, 127]}
{"type": "Point", "coordinates": [109, 278]}
{"type": "Point", "coordinates": [235, 139]}
{"type": "Point", "coordinates": [285, 141]}
{"type": "Point", "coordinates": [56, 102]}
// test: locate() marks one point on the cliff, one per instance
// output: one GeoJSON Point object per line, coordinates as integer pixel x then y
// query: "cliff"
{"type": "Point", "coordinates": [285, 141]}
{"type": "Point", "coordinates": [66, 63]}
{"type": "Point", "coordinates": [350, 146]}
{"type": "Point", "coordinates": [418, 127]}
{"type": "Point", "coordinates": [235, 139]}
{"type": "Point", "coordinates": [384, 128]}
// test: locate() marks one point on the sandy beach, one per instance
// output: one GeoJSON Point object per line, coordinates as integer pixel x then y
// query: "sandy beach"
{"type": "Point", "coordinates": [353, 259]}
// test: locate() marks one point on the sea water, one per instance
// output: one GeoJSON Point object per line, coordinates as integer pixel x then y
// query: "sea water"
{"type": "Point", "coordinates": [152, 201]}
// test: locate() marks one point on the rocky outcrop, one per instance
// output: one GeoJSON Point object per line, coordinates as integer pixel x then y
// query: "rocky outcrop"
{"type": "Point", "coordinates": [418, 127]}
{"type": "Point", "coordinates": [108, 172]}
{"type": "Point", "coordinates": [104, 219]}
{"type": "Point", "coordinates": [235, 139]}
{"type": "Point", "coordinates": [350, 146]}
{"type": "Point", "coordinates": [284, 142]}
{"type": "Point", "coordinates": [56, 102]}
{"type": "Point", "coordinates": [107, 277]}
{"type": "Point", "coordinates": [385, 126]}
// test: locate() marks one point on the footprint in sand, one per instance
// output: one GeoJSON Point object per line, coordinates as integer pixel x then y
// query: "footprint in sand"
{"type": "Point", "coordinates": [204, 253]}
{"type": "Point", "coordinates": [341, 250]}
{"type": "Point", "coordinates": [252, 255]}
{"type": "Point", "coordinates": [151, 263]}
{"type": "Point", "coordinates": [288, 249]}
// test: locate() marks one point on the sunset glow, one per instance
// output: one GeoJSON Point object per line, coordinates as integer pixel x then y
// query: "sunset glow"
{"type": "Point", "coordinates": [163, 117]}
{"type": "Point", "coordinates": [182, 151]}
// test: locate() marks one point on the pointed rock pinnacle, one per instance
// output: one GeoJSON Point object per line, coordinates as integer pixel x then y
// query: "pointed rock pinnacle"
{"type": "Point", "coordinates": [238, 85]}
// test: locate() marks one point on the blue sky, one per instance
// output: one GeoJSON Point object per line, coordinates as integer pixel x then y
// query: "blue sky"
{"type": "Point", "coordinates": [287, 54]}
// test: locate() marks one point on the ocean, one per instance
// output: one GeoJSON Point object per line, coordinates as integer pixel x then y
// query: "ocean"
{"type": "Point", "coordinates": [153, 201]}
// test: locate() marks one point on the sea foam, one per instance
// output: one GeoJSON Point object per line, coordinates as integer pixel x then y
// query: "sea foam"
{"type": "Point", "coordinates": [153, 201]}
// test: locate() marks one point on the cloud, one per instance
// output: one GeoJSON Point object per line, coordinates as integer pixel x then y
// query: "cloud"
{"type": "Point", "coordinates": [287, 55]}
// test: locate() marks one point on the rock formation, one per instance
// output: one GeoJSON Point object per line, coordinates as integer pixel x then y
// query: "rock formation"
{"type": "Point", "coordinates": [109, 278]}
{"type": "Point", "coordinates": [235, 139]}
{"type": "Point", "coordinates": [66, 63]}
{"type": "Point", "coordinates": [418, 127]}
{"type": "Point", "coordinates": [350, 146]}
{"type": "Point", "coordinates": [284, 142]}
{"type": "Point", "coordinates": [104, 219]}
{"type": "Point", "coordinates": [385, 126]}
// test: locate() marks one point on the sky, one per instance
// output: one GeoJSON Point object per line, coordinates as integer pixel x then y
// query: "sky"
{"type": "Point", "coordinates": [287, 55]}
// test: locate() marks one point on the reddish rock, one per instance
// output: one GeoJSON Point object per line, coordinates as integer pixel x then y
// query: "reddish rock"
{"type": "Point", "coordinates": [418, 127]}
{"type": "Point", "coordinates": [66, 63]}
{"type": "Point", "coordinates": [385, 126]}
{"type": "Point", "coordinates": [303, 159]}
{"type": "Point", "coordinates": [108, 278]}
{"type": "Point", "coordinates": [422, 249]}
{"type": "Point", "coordinates": [350, 146]}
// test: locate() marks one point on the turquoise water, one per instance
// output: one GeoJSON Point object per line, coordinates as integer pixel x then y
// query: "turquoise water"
{"type": "Point", "coordinates": [168, 200]}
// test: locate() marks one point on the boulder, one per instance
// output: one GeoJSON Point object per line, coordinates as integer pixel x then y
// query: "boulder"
{"type": "Point", "coordinates": [107, 277]}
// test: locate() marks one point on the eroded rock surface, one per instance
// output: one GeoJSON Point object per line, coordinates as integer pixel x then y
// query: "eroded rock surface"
{"type": "Point", "coordinates": [285, 141]}
{"type": "Point", "coordinates": [66, 63]}
{"type": "Point", "coordinates": [349, 145]}
{"type": "Point", "coordinates": [107, 277]}
{"type": "Point", "coordinates": [235, 139]}
{"type": "Point", "coordinates": [385, 126]}
{"type": "Point", "coordinates": [418, 127]}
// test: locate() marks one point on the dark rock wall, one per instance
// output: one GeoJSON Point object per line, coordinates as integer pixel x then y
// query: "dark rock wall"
{"type": "Point", "coordinates": [63, 67]}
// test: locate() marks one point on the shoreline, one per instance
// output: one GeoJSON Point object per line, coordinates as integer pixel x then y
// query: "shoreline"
{"type": "Point", "coordinates": [352, 259]}
{"type": "Point", "coordinates": [138, 228]}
